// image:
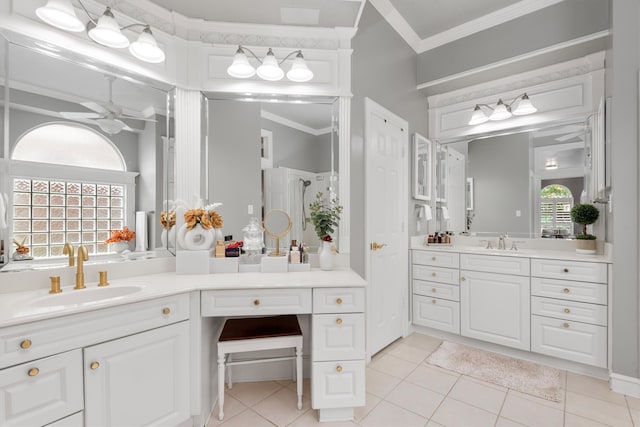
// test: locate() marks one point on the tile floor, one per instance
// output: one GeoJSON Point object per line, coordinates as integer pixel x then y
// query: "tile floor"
{"type": "Point", "coordinates": [403, 391]}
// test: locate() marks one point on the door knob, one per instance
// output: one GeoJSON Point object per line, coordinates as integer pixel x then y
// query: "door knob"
{"type": "Point", "coordinates": [375, 246]}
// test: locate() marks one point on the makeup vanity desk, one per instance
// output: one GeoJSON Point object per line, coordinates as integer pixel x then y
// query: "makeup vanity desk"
{"type": "Point", "coordinates": [59, 361]}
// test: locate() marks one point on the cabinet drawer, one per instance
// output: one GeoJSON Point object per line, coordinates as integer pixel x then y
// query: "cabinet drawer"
{"type": "Point", "coordinates": [570, 310]}
{"type": "Point", "coordinates": [595, 293]}
{"type": "Point", "coordinates": [338, 384]}
{"type": "Point", "coordinates": [574, 341]}
{"type": "Point", "coordinates": [437, 259]}
{"type": "Point", "coordinates": [250, 302]}
{"type": "Point", "coordinates": [437, 313]}
{"type": "Point", "coordinates": [569, 270]}
{"type": "Point", "coordinates": [338, 300]}
{"type": "Point", "coordinates": [42, 391]}
{"type": "Point", "coordinates": [337, 336]}
{"type": "Point", "coordinates": [437, 274]}
{"type": "Point", "coordinates": [495, 264]}
{"type": "Point", "coordinates": [29, 341]}
{"type": "Point", "coordinates": [437, 290]}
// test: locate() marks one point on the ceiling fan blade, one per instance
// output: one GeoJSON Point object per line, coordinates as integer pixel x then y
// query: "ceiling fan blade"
{"type": "Point", "coordinates": [72, 115]}
{"type": "Point", "coordinates": [98, 108]}
{"type": "Point", "coordinates": [130, 117]}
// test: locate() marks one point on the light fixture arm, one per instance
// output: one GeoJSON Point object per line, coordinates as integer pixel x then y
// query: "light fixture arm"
{"type": "Point", "coordinates": [244, 48]}
{"type": "Point", "coordinates": [296, 52]}
{"type": "Point", "coordinates": [93, 21]}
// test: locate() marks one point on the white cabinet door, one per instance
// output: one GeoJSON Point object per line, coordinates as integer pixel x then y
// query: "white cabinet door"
{"type": "Point", "coordinates": [338, 336]}
{"type": "Point", "coordinates": [140, 380]}
{"type": "Point", "coordinates": [338, 384]}
{"type": "Point", "coordinates": [436, 313]}
{"type": "Point", "coordinates": [495, 308]}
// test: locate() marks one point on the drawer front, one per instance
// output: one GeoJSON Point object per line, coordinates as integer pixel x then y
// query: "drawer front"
{"type": "Point", "coordinates": [75, 420]}
{"type": "Point", "coordinates": [570, 310]}
{"type": "Point", "coordinates": [594, 293]}
{"type": "Point", "coordinates": [29, 341]}
{"type": "Point", "coordinates": [337, 336]}
{"type": "Point", "coordinates": [495, 264]}
{"type": "Point", "coordinates": [338, 300]}
{"type": "Point", "coordinates": [338, 384]}
{"type": "Point", "coordinates": [569, 270]}
{"type": "Point", "coordinates": [42, 391]}
{"type": "Point", "coordinates": [437, 259]}
{"type": "Point", "coordinates": [255, 302]}
{"type": "Point", "coordinates": [578, 342]}
{"type": "Point", "coordinates": [437, 274]}
{"type": "Point", "coordinates": [436, 313]}
{"type": "Point", "coordinates": [437, 290]}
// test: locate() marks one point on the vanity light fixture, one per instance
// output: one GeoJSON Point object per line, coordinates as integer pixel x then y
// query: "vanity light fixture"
{"type": "Point", "coordinates": [551, 164]}
{"type": "Point", "coordinates": [103, 30]}
{"type": "Point", "coordinates": [502, 111]}
{"type": "Point", "coordinates": [269, 68]}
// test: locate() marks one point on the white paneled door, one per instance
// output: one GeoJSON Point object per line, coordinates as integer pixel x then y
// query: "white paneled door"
{"type": "Point", "coordinates": [386, 177]}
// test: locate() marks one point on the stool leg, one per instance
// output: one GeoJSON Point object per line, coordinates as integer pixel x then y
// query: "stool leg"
{"type": "Point", "coordinates": [229, 383]}
{"type": "Point", "coordinates": [220, 386]}
{"type": "Point", "coordinates": [294, 362]}
{"type": "Point", "coordinates": [299, 375]}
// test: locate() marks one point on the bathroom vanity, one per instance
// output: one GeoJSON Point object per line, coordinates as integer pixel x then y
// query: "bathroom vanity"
{"type": "Point", "coordinates": [75, 360]}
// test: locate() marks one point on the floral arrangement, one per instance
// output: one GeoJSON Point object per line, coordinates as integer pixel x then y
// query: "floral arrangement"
{"type": "Point", "coordinates": [20, 247]}
{"type": "Point", "coordinates": [325, 216]}
{"type": "Point", "coordinates": [207, 220]}
{"type": "Point", "coordinates": [124, 235]}
{"type": "Point", "coordinates": [167, 219]}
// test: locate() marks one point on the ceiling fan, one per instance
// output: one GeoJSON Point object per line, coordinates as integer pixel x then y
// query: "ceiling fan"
{"type": "Point", "coordinates": [108, 116]}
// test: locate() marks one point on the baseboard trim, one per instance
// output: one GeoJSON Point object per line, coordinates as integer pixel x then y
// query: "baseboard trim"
{"type": "Point", "coordinates": [624, 384]}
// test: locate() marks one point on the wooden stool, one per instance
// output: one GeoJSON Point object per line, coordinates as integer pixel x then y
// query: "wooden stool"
{"type": "Point", "coordinates": [255, 334]}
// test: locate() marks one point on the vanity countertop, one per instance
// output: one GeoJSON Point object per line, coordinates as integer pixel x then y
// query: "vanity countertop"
{"type": "Point", "coordinates": [33, 305]}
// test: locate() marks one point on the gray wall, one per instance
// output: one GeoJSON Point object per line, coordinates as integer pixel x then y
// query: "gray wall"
{"type": "Point", "coordinates": [499, 167]}
{"type": "Point", "coordinates": [234, 162]}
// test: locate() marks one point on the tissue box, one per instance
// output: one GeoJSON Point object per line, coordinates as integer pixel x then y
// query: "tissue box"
{"type": "Point", "coordinates": [274, 264]}
{"type": "Point", "coordinates": [192, 262]}
{"type": "Point", "coordinates": [223, 265]}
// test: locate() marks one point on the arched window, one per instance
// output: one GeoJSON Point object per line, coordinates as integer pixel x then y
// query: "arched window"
{"type": "Point", "coordinates": [556, 202]}
{"type": "Point", "coordinates": [77, 192]}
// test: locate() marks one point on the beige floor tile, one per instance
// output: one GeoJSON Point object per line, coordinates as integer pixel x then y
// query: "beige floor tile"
{"type": "Point", "coordinates": [379, 383]}
{"type": "Point", "coordinates": [635, 416]}
{"type": "Point", "coordinates": [362, 411]}
{"type": "Point", "coordinates": [598, 410]}
{"type": "Point", "coordinates": [281, 408]}
{"type": "Point", "coordinates": [432, 423]}
{"type": "Point", "coordinates": [254, 392]}
{"type": "Point", "coordinates": [436, 379]}
{"type": "Point", "coordinates": [247, 418]}
{"type": "Point", "coordinates": [306, 388]}
{"type": "Point", "coordinates": [392, 365]}
{"type": "Point", "coordinates": [505, 422]}
{"type": "Point", "coordinates": [390, 346]}
{"type": "Point", "coordinates": [310, 419]}
{"type": "Point", "coordinates": [571, 420]}
{"type": "Point", "coordinates": [633, 402]}
{"type": "Point", "coordinates": [593, 387]}
{"type": "Point", "coordinates": [424, 342]}
{"type": "Point", "coordinates": [386, 414]}
{"type": "Point", "coordinates": [415, 399]}
{"type": "Point", "coordinates": [232, 407]}
{"type": "Point", "coordinates": [409, 353]}
{"type": "Point", "coordinates": [479, 394]}
{"type": "Point", "coordinates": [546, 402]}
{"type": "Point", "coordinates": [455, 413]}
{"type": "Point", "coordinates": [530, 412]}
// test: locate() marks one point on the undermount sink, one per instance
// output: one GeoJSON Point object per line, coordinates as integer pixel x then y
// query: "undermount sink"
{"type": "Point", "coordinates": [84, 296]}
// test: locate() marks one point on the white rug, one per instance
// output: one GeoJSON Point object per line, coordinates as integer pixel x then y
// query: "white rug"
{"type": "Point", "coordinates": [520, 375]}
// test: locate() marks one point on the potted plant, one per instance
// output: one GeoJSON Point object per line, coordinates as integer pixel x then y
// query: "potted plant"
{"type": "Point", "coordinates": [120, 239]}
{"type": "Point", "coordinates": [585, 214]}
{"type": "Point", "coordinates": [325, 216]}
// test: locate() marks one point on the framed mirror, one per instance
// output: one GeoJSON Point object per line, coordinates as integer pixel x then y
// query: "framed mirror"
{"type": "Point", "coordinates": [277, 224]}
{"type": "Point", "coordinates": [422, 154]}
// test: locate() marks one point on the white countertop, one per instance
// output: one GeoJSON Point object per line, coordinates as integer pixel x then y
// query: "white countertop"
{"type": "Point", "coordinates": [22, 307]}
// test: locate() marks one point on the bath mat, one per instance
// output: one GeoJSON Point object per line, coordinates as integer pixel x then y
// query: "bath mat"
{"type": "Point", "coordinates": [526, 377]}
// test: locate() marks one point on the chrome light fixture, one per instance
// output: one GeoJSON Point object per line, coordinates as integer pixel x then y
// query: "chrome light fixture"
{"type": "Point", "coordinates": [103, 30]}
{"type": "Point", "coordinates": [269, 68]}
{"type": "Point", "coordinates": [502, 111]}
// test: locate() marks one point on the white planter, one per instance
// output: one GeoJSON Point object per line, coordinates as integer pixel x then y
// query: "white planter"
{"type": "Point", "coordinates": [326, 256]}
{"type": "Point", "coordinates": [120, 247]}
{"type": "Point", "coordinates": [585, 246]}
{"type": "Point", "coordinates": [196, 239]}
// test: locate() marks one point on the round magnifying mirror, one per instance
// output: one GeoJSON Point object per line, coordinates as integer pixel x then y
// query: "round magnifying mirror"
{"type": "Point", "coordinates": [277, 224]}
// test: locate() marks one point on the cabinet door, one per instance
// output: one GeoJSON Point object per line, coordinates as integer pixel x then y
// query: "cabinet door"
{"type": "Point", "coordinates": [495, 308]}
{"type": "Point", "coordinates": [338, 384]}
{"type": "Point", "coordinates": [338, 336]}
{"type": "Point", "coordinates": [436, 313]}
{"type": "Point", "coordinates": [139, 380]}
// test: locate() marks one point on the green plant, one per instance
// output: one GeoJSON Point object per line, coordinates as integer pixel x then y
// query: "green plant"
{"type": "Point", "coordinates": [584, 214]}
{"type": "Point", "coordinates": [325, 215]}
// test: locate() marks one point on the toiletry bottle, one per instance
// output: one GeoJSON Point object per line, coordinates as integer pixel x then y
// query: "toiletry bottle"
{"type": "Point", "coordinates": [294, 255]}
{"type": "Point", "coordinates": [219, 253]}
{"type": "Point", "coordinates": [305, 254]}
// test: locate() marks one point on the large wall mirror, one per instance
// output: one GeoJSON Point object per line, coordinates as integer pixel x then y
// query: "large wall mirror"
{"type": "Point", "coordinates": [267, 153]}
{"type": "Point", "coordinates": [522, 183]}
{"type": "Point", "coordinates": [84, 150]}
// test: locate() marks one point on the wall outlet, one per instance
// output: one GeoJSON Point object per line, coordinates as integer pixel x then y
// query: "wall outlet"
{"type": "Point", "coordinates": [518, 213]}
{"type": "Point", "coordinates": [250, 209]}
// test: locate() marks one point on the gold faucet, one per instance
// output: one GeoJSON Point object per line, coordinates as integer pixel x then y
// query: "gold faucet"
{"type": "Point", "coordinates": [83, 256]}
{"type": "Point", "coordinates": [68, 250]}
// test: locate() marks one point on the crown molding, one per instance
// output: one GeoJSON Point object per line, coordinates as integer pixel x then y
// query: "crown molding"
{"type": "Point", "coordinates": [293, 124]}
{"type": "Point", "coordinates": [402, 27]}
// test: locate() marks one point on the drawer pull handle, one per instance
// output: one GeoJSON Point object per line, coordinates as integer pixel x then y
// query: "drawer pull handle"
{"type": "Point", "coordinates": [256, 302]}
{"type": "Point", "coordinates": [433, 301]}
{"type": "Point", "coordinates": [25, 344]}
{"type": "Point", "coordinates": [94, 366]}
{"type": "Point", "coordinates": [433, 274]}
{"type": "Point", "coordinates": [339, 368]}
{"type": "Point", "coordinates": [433, 258]}
{"type": "Point", "coordinates": [339, 301]}
{"type": "Point", "coordinates": [166, 310]}
{"type": "Point", "coordinates": [462, 279]}
{"type": "Point", "coordinates": [565, 290]}
{"type": "Point", "coordinates": [339, 321]}
{"type": "Point", "coordinates": [566, 310]}
{"type": "Point", "coordinates": [566, 270]}
{"type": "Point", "coordinates": [433, 290]}
{"type": "Point", "coordinates": [565, 325]}
{"type": "Point", "coordinates": [33, 372]}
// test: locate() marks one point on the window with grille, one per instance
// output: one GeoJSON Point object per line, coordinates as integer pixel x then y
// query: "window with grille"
{"type": "Point", "coordinates": [556, 202]}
